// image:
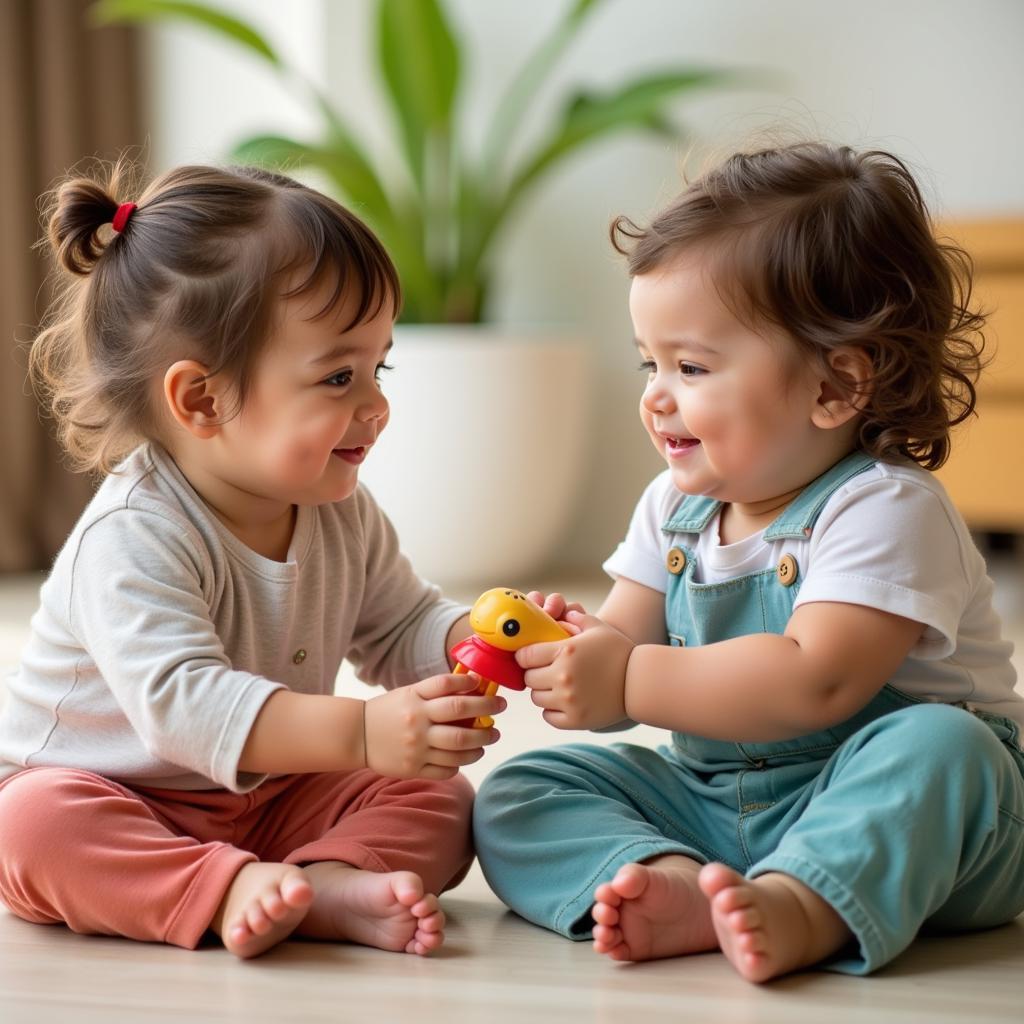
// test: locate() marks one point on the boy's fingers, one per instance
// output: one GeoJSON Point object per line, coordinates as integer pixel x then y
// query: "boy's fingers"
{"type": "Point", "coordinates": [537, 655]}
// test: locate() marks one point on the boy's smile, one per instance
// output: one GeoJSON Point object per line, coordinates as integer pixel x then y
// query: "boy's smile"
{"type": "Point", "coordinates": [729, 407]}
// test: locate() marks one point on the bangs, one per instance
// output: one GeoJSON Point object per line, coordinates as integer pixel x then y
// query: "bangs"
{"type": "Point", "coordinates": [325, 245]}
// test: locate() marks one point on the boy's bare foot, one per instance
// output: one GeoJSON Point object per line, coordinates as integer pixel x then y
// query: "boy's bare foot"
{"type": "Point", "coordinates": [386, 910]}
{"type": "Point", "coordinates": [263, 905]}
{"type": "Point", "coordinates": [770, 925]}
{"type": "Point", "coordinates": [653, 910]}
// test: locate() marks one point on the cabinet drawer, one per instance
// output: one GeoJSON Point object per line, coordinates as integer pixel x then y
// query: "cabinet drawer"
{"type": "Point", "coordinates": [1003, 294]}
{"type": "Point", "coordinates": [985, 473]}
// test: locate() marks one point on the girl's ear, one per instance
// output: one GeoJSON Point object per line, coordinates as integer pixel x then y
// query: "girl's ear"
{"type": "Point", "coordinates": [838, 404]}
{"type": "Point", "coordinates": [194, 399]}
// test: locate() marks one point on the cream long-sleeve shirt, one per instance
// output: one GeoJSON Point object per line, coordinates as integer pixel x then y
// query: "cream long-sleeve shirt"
{"type": "Point", "coordinates": [160, 635]}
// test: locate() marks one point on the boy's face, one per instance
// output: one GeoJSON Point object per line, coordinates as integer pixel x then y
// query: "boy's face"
{"type": "Point", "coordinates": [314, 408]}
{"type": "Point", "coordinates": [727, 407]}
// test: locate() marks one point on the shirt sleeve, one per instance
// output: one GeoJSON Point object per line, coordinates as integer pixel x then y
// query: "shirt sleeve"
{"type": "Point", "coordinates": [893, 543]}
{"type": "Point", "coordinates": [137, 605]}
{"type": "Point", "coordinates": [641, 555]}
{"type": "Point", "coordinates": [403, 620]}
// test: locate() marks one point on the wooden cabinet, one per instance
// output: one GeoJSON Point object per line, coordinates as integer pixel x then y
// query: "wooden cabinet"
{"type": "Point", "coordinates": [985, 473]}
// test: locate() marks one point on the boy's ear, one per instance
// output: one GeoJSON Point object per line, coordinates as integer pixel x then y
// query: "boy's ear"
{"type": "Point", "coordinates": [195, 400]}
{"type": "Point", "coordinates": [837, 405]}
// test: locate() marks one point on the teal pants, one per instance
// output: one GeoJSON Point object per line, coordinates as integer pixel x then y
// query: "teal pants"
{"type": "Point", "coordinates": [915, 819]}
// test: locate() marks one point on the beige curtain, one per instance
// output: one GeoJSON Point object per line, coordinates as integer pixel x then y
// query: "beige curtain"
{"type": "Point", "coordinates": [67, 92]}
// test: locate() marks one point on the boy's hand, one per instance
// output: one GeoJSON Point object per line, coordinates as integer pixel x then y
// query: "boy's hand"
{"type": "Point", "coordinates": [580, 682]}
{"type": "Point", "coordinates": [408, 734]}
{"type": "Point", "coordinates": [556, 606]}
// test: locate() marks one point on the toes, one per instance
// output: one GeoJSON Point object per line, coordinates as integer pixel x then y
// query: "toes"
{"type": "Point", "coordinates": [296, 891]}
{"type": "Point", "coordinates": [630, 881]}
{"type": "Point", "coordinates": [744, 920]}
{"type": "Point", "coordinates": [602, 913]}
{"type": "Point", "coordinates": [425, 907]}
{"type": "Point", "coordinates": [606, 937]}
{"type": "Point", "coordinates": [714, 878]}
{"type": "Point", "coordinates": [256, 918]}
{"type": "Point", "coordinates": [432, 922]}
{"type": "Point", "coordinates": [604, 893]}
{"type": "Point", "coordinates": [407, 887]}
{"type": "Point", "coordinates": [430, 940]}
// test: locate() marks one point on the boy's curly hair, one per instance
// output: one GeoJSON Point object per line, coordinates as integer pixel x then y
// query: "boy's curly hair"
{"type": "Point", "coordinates": [836, 248]}
{"type": "Point", "coordinates": [197, 273]}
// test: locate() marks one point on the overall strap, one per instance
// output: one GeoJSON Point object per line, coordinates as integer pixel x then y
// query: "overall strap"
{"type": "Point", "coordinates": [695, 511]}
{"type": "Point", "coordinates": [800, 516]}
{"type": "Point", "coordinates": [692, 515]}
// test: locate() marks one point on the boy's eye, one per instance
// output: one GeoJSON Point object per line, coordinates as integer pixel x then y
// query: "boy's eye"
{"type": "Point", "coordinates": [340, 379]}
{"type": "Point", "coordinates": [689, 370]}
{"type": "Point", "coordinates": [647, 366]}
{"type": "Point", "coordinates": [381, 368]}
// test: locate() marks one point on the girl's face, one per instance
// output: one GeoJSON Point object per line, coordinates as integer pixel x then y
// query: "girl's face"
{"type": "Point", "coordinates": [314, 408]}
{"type": "Point", "coordinates": [728, 408]}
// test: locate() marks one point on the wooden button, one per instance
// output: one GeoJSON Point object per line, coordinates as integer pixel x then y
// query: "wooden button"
{"type": "Point", "coordinates": [676, 561]}
{"type": "Point", "coordinates": [299, 656]}
{"type": "Point", "coordinates": [787, 570]}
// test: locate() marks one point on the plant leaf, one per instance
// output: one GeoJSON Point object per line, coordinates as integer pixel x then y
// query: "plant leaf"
{"type": "Point", "coordinates": [108, 12]}
{"type": "Point", "coordinates": [524, 86]}
{"type": "Point", "coordinates": [419, 58]}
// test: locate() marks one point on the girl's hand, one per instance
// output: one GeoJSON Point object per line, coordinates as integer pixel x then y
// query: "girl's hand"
{"type": "Point", "coordinates": [408, 734]}
{"type": "Point", "coordinates": [556, 606]}
{"type": "Point", "coordinates": [580, 682]}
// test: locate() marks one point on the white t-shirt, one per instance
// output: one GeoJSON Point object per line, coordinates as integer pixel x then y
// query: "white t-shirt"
{"type": "Point", "coordinates": [889, 538]}
{"type": "Point", "coordinates": [160, 635]}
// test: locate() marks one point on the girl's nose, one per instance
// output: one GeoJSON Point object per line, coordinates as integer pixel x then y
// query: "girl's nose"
{"type": "Point", "coordinates": [373, 407]}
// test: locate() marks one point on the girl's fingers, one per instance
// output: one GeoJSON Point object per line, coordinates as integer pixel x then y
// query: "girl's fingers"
{"type": "Point", "coordinates": [453, 758]}
{"type": "Point", "coordinates": [460, 706]}
{"type": "Point", "coordinates": [460, 737]}
{"type": "Point", "coordinates": [442, 686]}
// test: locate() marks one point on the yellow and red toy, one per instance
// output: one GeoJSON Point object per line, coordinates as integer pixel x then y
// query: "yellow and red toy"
{"type": "Point", "coordinates": [503, 620]}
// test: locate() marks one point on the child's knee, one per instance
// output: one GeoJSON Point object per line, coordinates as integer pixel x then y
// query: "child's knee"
{"type": "Point", "coordinates": [36, 811]}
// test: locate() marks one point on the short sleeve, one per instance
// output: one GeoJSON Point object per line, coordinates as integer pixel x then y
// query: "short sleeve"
{"type": "Point", "coordinates": [641, 555]}
{"type": "Point", "coordinates": [893, 541]}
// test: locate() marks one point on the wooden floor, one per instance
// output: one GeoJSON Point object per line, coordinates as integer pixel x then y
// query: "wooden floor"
{"type": "Point", "coordinates": [494, 967]}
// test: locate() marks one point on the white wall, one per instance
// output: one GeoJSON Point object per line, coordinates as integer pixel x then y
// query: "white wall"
{"type": "Point", "coordinates": [940, 82]}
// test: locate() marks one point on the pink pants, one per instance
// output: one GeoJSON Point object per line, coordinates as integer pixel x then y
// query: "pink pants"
{"type": "Point", "coordinates": [155, 864]}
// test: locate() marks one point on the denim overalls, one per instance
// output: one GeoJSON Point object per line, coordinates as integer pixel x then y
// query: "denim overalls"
{"type": "Point", "coordinates": [907, 813]}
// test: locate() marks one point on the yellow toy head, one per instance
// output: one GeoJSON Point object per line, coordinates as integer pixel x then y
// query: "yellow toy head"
{"type": "Point", "coordinates": [508, 619]}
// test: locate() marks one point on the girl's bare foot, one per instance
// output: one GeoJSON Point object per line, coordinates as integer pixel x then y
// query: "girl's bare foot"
{"type": "Point", "coordinates": [386, 910]}
{"type": "Point", "coordinates": [770, 925]}
{"type": "Point", "coordinates": [653, 910]}
{"type": "Point", "coordinates": [263, 905]}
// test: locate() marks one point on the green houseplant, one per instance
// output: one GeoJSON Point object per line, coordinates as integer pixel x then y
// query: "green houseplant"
{"type": "Point", "coordinates": [465, 516]}
{"type": "Point", "coordinates": [442, 217]}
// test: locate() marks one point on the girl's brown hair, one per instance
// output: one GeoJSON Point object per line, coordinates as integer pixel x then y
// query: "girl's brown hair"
{"type": "Point", "coordinates": [196, 273]}
{"type": "Point", "coordinates": [836, 248]}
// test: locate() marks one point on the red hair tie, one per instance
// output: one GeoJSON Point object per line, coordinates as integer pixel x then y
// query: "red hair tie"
{"type": "Point", "coordinates": [124, 211]}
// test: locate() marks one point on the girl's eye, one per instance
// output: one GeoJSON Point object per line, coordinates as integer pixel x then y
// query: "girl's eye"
{"type": "Point", "coordinates": [689, 370]}
{"type": "Point", "coordinates": [340, 379]}
{"type": "Point", "coordinates": [647, 366]}
{"type": "Point", "coordinates": [381, 368]}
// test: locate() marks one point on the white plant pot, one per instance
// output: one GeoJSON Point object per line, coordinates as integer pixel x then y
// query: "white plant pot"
{"type": "Point", "coordinates": [480, 466]}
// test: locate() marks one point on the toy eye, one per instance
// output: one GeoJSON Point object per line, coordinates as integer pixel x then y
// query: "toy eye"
{"type": "Point", "coordinates": [510, 627]}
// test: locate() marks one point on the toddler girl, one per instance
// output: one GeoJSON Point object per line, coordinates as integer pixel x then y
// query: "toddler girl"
{"type": "Point", "coordinates": [796, 599]}
{"type": "Point", "coordinates": [172, 756]}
